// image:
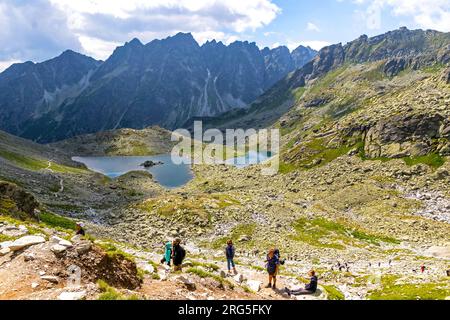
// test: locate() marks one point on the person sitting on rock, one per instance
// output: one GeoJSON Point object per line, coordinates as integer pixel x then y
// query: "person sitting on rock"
{"type": "Point", "coordinates": [178, 255]}
{"type": "Point", "coordinates": [310, 288]}
{"type": "Point", "coordinates": [229, 253]}
{"type": "Point", "coordinates": [273, 265]}
{"type": "Point", "coordinates": [80, 229]}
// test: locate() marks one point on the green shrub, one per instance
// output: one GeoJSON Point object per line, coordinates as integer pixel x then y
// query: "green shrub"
{"type": "Point", "coordinates": [57, 221]}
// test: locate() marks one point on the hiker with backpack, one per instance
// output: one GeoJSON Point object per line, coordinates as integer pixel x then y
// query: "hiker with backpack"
{"type": "Point", "coordinates": [178, 255]}
{"type": "Point", "coordinates": [272, 265]}
{"type": "Point", "coordinates": [310, 288]}
{"type": "Point", "coordinates": [230, 253]}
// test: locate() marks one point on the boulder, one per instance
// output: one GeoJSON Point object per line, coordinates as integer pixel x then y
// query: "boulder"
{"type": "Point", "coordinates": [58, 249]}
{"type": "Point", "coordinates": [254, 285]}
{"type": "Point", "coordinates": [188, 283]}
{"type": "Point", "coordinates": [65, 243]}
{"type": "Point", "coordinates": [29, 257]}
{"type": "Point", "coordinates": [4, 251]}
{"type": "Point", "coordinates": [5, 244]}
{"type": "Point", "coordinates": [25, 242]}
{"type": "Point", "coordinates": [70, 296]}
{"type": "Point", "coordinates": [83, 247]}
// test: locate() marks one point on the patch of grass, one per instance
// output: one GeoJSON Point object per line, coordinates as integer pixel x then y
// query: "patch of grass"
{"type": "Point", "coordinates": [392, 290]}
{"type": "Point", "coordinates": [287, 167]}
{"type": "Point", "coordinates": [224, 201]}
{"type": "Point", "coordinates": [210, 266]}
{"type": "Point", "coordinates": [4, 238]}
{"type": "Point", "coordinates": [109, 293]}
{"type": "Point", "coordinates": [435, 68]}
{"type": "Point", "coordinates": [433, 160]}
{"type": "Point", "coordinates": [9, 208]}
{"type": "Point", "coordinates": [236, 233]}
{"type": "Point", "coordinates": [319, 232]}
{"type": "Point", "coordinates": [113, 252]}
{"type": "Point", "coordinates": [205, 274]}
{"type": "Point", "coordinates": [37, 164]}
{"type": "Point", "coordinates": [333, 293]}
{"type": "Point", "coordinates": [56, 221]}
{"type": "Point", "coordinates": [257, 268]}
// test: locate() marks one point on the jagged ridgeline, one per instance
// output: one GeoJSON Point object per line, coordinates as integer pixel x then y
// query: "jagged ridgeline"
{"type": "Point", "coordinates": [382, 97]}
{"type": "Point", "coordinates": [165, 83]}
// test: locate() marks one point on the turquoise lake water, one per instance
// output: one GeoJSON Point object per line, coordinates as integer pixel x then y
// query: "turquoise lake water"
{"type": "Point", "coordinates": [169, 174]}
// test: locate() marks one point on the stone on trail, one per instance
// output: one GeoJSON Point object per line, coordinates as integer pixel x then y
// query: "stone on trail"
{"type": "Point", "coordinates": [239, 278]}
{"type": "Point", "coordinates": [254, 285]}
{"type": "Point", "coordinates": [70, 296]}
{"type": "Point", "coordinates": [51, 279]}
{"type": "Point", "coordinates": [29, 257]}
{"type": "Point", "coordinates": [4, 251]}
{"type": "Point", "coordinates": [6, 244]}
{"type": "Point", "coordinates": [25, 242]}
{"type": "Point", "coordinates": [34, 285]}
{"type": "Point", "coordinates": [58, 249]}
{"type": "Point", "coordinates": [188, 283]}
{"type": "Point", "coordinates": [83, 247]}
{"type": "Point", "coordinates": [65, 243]}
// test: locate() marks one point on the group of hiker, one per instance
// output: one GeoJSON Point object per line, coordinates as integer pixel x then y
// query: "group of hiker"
{"type": "Point", "coordinates": [174, 254]}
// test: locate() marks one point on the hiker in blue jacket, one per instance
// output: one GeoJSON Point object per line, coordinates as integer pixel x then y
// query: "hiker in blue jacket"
{"type": "Point", "coordinates": [273, 265]}
{"type": "Point", "coordinates": [229, 253]}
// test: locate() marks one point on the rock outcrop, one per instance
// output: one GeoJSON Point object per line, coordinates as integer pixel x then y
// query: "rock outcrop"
{"type": "Point", "coordinates": [24, 202]}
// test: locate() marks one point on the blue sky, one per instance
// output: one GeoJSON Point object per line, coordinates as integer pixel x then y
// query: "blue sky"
{"type": "Point", "coordinates": [37, 30]}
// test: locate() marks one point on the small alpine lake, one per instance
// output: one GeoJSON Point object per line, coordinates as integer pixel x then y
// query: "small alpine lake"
{"type": "Point", "coordinates": [168, 174]}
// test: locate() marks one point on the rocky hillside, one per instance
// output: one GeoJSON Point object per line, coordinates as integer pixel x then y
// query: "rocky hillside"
{"type": "Point", "coordinates": [121, 142]}
{"type": "Point", "coordinates": [396, 52]}
{"type": "Point", "coordinates": [165, 82]}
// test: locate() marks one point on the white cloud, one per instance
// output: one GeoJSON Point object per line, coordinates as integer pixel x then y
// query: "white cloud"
{"type": "Point", "coordinates": [6, 64]}
{"type": "Point", "coordinates": [314, 44]}
{"type": "Point", "coordinates": [312, 27]}
{"type": "Point", "coordinates": [427, 14]}
{"type": "Point", "coordinates": [98, 48]}
{"type": "Point", "coordinates": [40, 29]}
{"type": "Point", "coordinates": [117, 21]}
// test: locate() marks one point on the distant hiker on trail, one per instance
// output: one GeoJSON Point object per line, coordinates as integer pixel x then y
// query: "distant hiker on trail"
{"type": "Point", "coordinates": [167, 253]}
{"type": "Point", "coordinates": [229, 253]}
{"type": "Point", "coordinates": [178, 255]}
{"type": "Point", "coordinates": [310, 288]}
{"type": "Point", "coordinates": [80, 229]}
{"type": "Point", "coordinates": [422, 269]}
{"type": "Point", "coordinates": [273, 266]}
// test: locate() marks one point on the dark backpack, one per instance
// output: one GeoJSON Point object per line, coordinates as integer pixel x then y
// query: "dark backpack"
{"type": "Point", "coordinates": [182, 253]}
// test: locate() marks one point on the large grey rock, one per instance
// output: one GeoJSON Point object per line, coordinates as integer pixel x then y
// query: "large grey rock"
{"type": "Point", "coordinates": [58, 249]}
{"type": "Point", "coordinates": [25, 242]}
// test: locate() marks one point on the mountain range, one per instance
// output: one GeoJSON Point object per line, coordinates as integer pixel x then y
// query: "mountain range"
{"type": "Point", "coordinates": [165, 82]}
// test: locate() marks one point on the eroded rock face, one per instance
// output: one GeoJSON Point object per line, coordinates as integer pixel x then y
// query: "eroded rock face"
{"type": "Point", "coordinates": [446, 76]}
{"type": "Point", "coordinates": [24, 201]}
{"type": "Point", "coordinates": [404, 136]}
